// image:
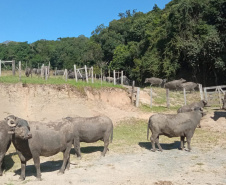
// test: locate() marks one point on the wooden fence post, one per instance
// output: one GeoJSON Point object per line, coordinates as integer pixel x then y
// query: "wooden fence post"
{"type": "Point", "coordinates": [151, 98]}
{"type": "Point", "coordinates": [46, 72]}
{"type": "Point", "coordinates": [101, 76]}
{"type": "Point", "coordinates": [201, 92]}
{"type": "Point", "coordinates": [205, 93]}
{"type": "Point", "coordinates": [86, 74]}
{"type": "Point", "coordinates": [167, 98]}
{"type": "Point", "coordinates": [121, 77]}
{"type": "Point", "coordinates": [13, 67]}
{"type": "Point", "coordinates": [92, 73]}
{"type": "Point", "coordinates": [55, 70]}
{"type": "Point", "coordinates": [132, 91]}
{"type": "Point", "coordinates": [42, 71]}
{"type": "Point", "coordinates": [114, 77]}
{"type": "Point", "coordinates": [65, 73]}
{"type": "Point", "coordinates": [137, 96]}
{"type": "Point", "coordinates": [185, 101]}
{"type": "Point", "coordinates": [20, 70]}
{"type": "Point", "coordinates": [75, 71]}
{"type": "Point", "coordinates": [0, 68]}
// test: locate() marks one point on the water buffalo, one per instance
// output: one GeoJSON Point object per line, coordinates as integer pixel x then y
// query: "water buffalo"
{"type": "Point", "coordinates": [224, 102]}
{"type": "Point", "coordinates": [36, 71]}
{"type": "Point", "coordinates": [28, 72]}
{"type": "Point", "coordinates": [110, 79]}
{"type": "Point", "coordinates": [91, 129]}
{"type": "Point", "coordinates": [174, 125]}
{"type": "Point", "coordinates": [155, 81]}
{"type": "Point", "coordinates": [71, 75]}
{"type": "Point", "coordinates": [189, 86]}
{"type": "Point", "coordinates": [175, 84]}
{"type": "Point", "coordinates": [190, 107]}
{"type": "Point", "coordinates": [58, 72]}
{"type": "Point", "coordinates": [40, 140]}
{"type": "Point", "coordinates": [5, 141]}
{"type": "Point", "coordinates": [125, 80]}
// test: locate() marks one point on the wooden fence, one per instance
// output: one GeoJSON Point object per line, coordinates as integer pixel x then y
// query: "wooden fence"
{"type": "Point", "coordinates": [214, 95]}
{"type": "Point", "coordinates": [4, 62]}
{"type": "Point", "coordinates": [137, 95]}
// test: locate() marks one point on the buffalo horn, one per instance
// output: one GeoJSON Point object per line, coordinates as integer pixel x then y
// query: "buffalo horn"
{"type": "Point", "coordinates": [11, 122]}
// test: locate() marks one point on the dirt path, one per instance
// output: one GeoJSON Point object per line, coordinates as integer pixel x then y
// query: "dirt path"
{"type": "Point", "coordinates": [143, 167]}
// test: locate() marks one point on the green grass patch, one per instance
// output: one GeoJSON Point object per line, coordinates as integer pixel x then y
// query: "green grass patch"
{"type": "Point", "coordinates": [56, 81]}
{"type": "Point", "coordinates": [157, 109]}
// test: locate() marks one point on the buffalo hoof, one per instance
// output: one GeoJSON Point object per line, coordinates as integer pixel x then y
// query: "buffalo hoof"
{"type": "Point", "coordinates": [38, 179]}
{"type": "Point", "coordinates": [60, 173]}
{"type": "Point", "coordinates": [22, 178]}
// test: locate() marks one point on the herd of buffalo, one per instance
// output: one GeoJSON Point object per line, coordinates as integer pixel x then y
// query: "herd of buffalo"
{"type": "Point", "coordinates": [34, 139]}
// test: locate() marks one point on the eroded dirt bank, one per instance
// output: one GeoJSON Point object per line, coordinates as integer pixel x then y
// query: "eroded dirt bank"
{"type": "Point", "coordinates": [50, 102]}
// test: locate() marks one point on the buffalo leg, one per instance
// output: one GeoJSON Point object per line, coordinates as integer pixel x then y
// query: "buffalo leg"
{"type": "Point", "coordinates": [182, 142]}
{"type": "Point", "coordinates": [1, 161]}
{"type": "Point", "coordinates": [66, 158]}
{"type": "Point", "coordinates": [36, 160]}
{"type": "Point", "coordinates": [188, 137]}
{"type": "Point", "coordinates": [23, 165]}
{"type": "Point", "coordinates": [106, 143]}
{"type": "Point", "coordinates": [153, 139]}
{"type": "Point", "coordinates": [77, 147]}
{"type": "Point", "coordinates": [157, 141]}
{"type": "Point", "coordinates": [68, 163]}
{"type": "Point", "coordinates": [189, 143]}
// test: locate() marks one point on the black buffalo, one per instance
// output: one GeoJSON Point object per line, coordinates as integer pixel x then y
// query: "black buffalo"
{"type": "Point", "coordinates": [175, 84]}
{"type": "Point", "coordinates": [40, 140]}
{"type": "Point", "coordinates": [189, 86]}
{"type": "Point", "coordinates": [190, 107]}
{"type": "Point", "coordinates": [5, 141]}
{"type": "Point", "coordinates": [155, 81]}
{"type": "Point", "coordinates": [71, 75]}
{"type": "Point", "coordinates": [124, 79]}
{"type": "Point", "coordinates": [174, 125]}
{"type": "Point", "coordinates": [28, 72]}
{"type": "Point", "coordinates": [91, 129]}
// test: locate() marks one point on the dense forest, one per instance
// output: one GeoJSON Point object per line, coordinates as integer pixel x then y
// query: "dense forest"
{"type": "Point", "coordinates": [186, 39]}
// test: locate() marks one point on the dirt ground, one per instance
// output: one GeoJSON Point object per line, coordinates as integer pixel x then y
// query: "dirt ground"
{"type": "Point", "coordinates": [203, 165]}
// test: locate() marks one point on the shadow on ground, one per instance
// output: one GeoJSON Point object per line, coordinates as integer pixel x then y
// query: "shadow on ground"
{"type": "Point", "coordinates": [48, 166]}
{"type": "Point", "coordinates": [165, 146]}
{"type": "Point", "coordinates": [218, 114]}
{"type": "Point", "coordinates": [8, 161]}
{"type": "Point", "coordinates": [89, 149]}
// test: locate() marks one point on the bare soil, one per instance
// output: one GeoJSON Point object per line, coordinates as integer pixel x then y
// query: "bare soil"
{"type": "Point", "coordinates": [205, 164]}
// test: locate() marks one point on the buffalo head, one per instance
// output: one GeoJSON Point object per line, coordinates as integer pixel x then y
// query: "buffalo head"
{"type": "Point", "coordinates": [19, 127]}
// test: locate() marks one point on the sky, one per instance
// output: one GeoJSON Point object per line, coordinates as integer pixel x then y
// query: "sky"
{"type": "Point", "coordinates": [30, 21]}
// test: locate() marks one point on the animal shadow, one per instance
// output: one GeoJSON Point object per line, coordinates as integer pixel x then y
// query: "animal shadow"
{"type": "Point", "coordinates": [165, 146]}
{"type": "Point", "coordinates": [218, 114]}
{"type": "Point", "coordinates": [8, 162]}
{"type": "Point", "coordinates": [48, 166]}
{"type": "Point", "coordinates": [89, 149]}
